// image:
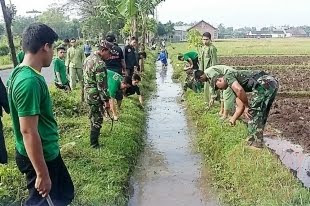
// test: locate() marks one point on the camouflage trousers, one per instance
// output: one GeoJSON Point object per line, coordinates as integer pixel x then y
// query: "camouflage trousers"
{"type": "Point", "coordinates": [193, 85]}
{"type": "Point", "coordinates": [95, 107]}
{"type": "Point", "coordinates": [263, 96]}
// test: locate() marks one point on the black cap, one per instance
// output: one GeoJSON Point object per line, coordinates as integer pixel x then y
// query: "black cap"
{"type": "Point", "coordinates": [110, 37]}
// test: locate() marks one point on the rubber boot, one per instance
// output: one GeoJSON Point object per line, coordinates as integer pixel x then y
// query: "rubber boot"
{"type": "Point", "coordinates": [94, 137]}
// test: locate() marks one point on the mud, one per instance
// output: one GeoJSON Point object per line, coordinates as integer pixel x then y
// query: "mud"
{"type": "Point", "coordinates": [292, 156]}
{"type": "Point", "coordinates": [169, 171]}
{"type": "Point", "coordinates": [290, 117]}
{"type": "Point", "coordinates": [265, 60]}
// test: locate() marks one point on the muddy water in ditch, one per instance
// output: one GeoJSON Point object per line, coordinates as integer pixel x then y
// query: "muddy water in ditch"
{"type": "Point", "coordinates": [169, 172]}
{"type": "Point", "coordinates": [293, 157]}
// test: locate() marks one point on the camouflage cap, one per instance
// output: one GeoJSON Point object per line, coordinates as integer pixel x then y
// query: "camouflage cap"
{"type": "Point", "coordinates": [107, 45]}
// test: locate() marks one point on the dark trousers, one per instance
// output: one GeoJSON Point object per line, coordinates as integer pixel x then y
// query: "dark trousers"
{"type": "Point", "coordinates": [130, 72]}
{"type": "Point", "coordinates": [3, 153]}
{"type": "Point", "coordinates": [62, 192]}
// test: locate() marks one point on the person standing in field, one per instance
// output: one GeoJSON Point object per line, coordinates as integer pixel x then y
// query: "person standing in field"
{"type": "Point", "coordinates": [116, 86]}
{"type": "Point", "coordinates": [96, 85]}
{"type": "Point", "coordinates": [61, 80]}
{"type": "Point", "coordinates": [208, 58]}
{"type": "Point", "coordinates": [20, 55]}
{"type": "Point", "coordinates": [131, 57]}
{"type": "Point", "coordinates": [116, 62]}
{"type": "Point", "coordinates": [87, 49]}
{"type": "Point", "coordinates": [35, 129]}
{"type": "Point", "coordinates": [4, 104]}
{"type": "Point", "coordinates": [264, 89]}
{"type": "Point", "coordinates": [74, 61]}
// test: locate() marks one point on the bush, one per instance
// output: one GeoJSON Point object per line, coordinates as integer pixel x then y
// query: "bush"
{"type": "Point", "coordinates": [5, 60]}
{"type": "Point", "coordinates": [4, 50]}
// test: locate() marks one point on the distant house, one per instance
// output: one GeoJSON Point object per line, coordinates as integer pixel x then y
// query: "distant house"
{"type": "Point", "coordinates": [296, 32]}
{"type": "Point", "coordinates": [266, 34]}
{"type": "Point", "coordinates": [180, 33]}
{"type": "Point", "coordinates": [203, 27]}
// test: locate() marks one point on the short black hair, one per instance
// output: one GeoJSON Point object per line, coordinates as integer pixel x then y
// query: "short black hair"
{"type": "Point", "coordinates": [136, 77]}
{"type": "Point", "coordinates": [127, 80]}
{"type": "Point", "coordinates": [198, 74]}
{"type": "Point", "coordinates": [67, 41]}
{"type": "Point", "coordinates": [133, 38]}
{"type": "Point", "coordinates": [61, 47]}
{"type": "Point", "coordinates": [180, 57]}
{"type": "Point", "coordinates": [110, 37]}
{"type": "Point", "coordinates": [207, 34]}
{"type": "Point", "coordinates": [36, 35]}
{"type": "Point", "coordinates": [143, 54]}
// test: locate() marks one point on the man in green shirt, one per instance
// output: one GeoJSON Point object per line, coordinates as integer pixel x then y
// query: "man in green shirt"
{"type": "Point", "coordinates": [61, 80]}
{"type": "Point", "coordinates": [20, 56]}
{"type": "Point", "coordinates": [228, 98]}
{"type": "Point", "coordinates": [75, 59]}
{"type": "Point", "coordinates": [208, 58]}
{"type": "Point", "coordinates": [116, 85]}
{"type": "Point", "coordinates": [191, 58]}
{"type": "Point", "coordinates": [35, 129]}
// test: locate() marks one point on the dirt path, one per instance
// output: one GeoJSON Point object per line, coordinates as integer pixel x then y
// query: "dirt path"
{"type": "Point", "coordinates": [169, 171]}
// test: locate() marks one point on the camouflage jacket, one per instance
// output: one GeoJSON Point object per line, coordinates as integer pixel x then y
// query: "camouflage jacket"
{"type": "Point", "coordinates": [95, 79]}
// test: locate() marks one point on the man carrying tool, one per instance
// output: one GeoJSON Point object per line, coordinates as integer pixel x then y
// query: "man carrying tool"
{"type": "Point", "coordinates": [117, 85]}
{"type": "Point", "coordinates": [264, 88]}
{"type": "Point", "coordinates": [191, 58]}
{"type": "Point", "coordinates": [96, 85]}
{"type": "Point", "coordinates": [35, 129]}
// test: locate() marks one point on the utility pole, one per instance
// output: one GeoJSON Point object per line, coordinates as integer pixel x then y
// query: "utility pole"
{"type": "Point", "coordinates": [8, 18]}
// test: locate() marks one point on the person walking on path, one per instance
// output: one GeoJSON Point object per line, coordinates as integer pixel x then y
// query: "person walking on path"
{"type": "Point", "coordinates": [4, 104]}
{"type": "Point", "coordinates": [208, 58]}
{"type": "Point", "coordinates": [35, 129]}
{"type": "Point", "coordinates": [96, 88]}
{"type": "Point", "coordinates": [61, 80]}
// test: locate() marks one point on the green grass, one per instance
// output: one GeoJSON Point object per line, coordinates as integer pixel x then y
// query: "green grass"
{"type": "Point", "coordinates": [241, 47]}
{"type": "Point", "coordinates": [100, 177]}
{"type": "Point", "coordinates": [242, 176]}
{"type": "Point", "coordinates": [5, 62]}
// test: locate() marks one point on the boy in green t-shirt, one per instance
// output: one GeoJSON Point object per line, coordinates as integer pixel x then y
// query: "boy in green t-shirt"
{"type": "Point", "coordinates": [116, 85]}
{"type": "Point", "coordinates": [61, 80]}
{"type": "Point", "coordinates": [35, 129]}
{"type": "Point", "coordinates": [192, 59]}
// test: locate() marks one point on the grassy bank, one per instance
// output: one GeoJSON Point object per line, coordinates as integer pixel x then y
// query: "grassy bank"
{"type": "Point", "coordinates": [242, 176]}
{"type": "Point", "coordinates": [100, 176]}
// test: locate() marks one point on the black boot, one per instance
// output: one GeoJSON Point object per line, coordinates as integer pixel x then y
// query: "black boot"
{"type": "Point", "coordinates": [94, 137]}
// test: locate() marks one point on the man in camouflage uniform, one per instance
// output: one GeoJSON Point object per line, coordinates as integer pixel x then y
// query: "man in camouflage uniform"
{"type": "Point", "coordinates": [264, 89]}
{"type": "Point", "coordinates": [95, 80]}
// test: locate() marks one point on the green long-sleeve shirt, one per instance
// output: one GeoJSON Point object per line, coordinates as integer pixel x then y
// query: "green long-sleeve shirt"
{"type": "Point", "coordinates": [213, 73]}
{"type": "Point", "coordinates": [75, 57]}
{"type": "Point", "coordinates": [208, 57]}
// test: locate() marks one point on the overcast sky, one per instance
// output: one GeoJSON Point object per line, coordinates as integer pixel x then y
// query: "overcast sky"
{"type": "Point", "coordinates": [237, 13]}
